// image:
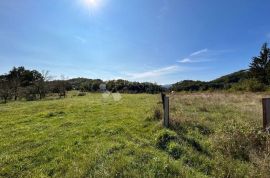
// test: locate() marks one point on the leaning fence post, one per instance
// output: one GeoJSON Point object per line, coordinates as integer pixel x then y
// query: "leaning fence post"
{"type": "Point", "coordinates": [266, 113]}
{"type": "Point", "coordinates": [166, 112]}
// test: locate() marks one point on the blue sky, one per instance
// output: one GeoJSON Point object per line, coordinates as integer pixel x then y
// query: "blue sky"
{"type": "Point", "coordinates": [161, 41]}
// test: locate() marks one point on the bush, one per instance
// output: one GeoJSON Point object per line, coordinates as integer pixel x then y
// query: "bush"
{"type": "Point", "coordinates": [252, 85]}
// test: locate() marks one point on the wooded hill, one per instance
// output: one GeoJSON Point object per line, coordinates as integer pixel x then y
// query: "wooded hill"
{"type": "Point", "coordinates": [256, 78]}
{"type": "Point", "coordinates": [225, 82]}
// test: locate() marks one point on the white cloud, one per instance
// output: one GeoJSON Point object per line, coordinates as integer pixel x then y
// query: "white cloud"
{"type": "Point", "coordinates": [186, 60]}
{"type": "Point", "coordinates": [199, 52]}
{"type": "Point", "coordinates": [155, 73]}
{"type": "Point", "coordinates": [202, 55]}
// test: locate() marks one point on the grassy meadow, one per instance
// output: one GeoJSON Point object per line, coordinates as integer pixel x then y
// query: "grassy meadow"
{"type": "Point", "coordinates": [212, 135]}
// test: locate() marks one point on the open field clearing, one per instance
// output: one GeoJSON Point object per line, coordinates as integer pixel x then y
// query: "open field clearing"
{"type": "Point", "coordinates": [134, 89]}
{"type": "Point", "coordinates": [79, 137]}
{"type": "Point", "coordinates": [212, 135]}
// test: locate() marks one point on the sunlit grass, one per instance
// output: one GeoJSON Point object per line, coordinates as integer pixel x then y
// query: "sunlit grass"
{"type": "Point", "coordinates": [212, 135]}
{"type": "Point", "coordinates": [81, 137]}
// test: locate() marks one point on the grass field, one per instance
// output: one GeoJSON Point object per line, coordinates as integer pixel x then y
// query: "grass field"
{"type": "Point", "coordinates": [220, 134]}
{"type": "Point", "coordinates": [212, 135]}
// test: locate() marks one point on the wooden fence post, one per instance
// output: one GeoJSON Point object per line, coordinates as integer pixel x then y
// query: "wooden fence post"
{"type": "Point", "coordinates": [162, 97]}
{"type": "Point", "coordinates": [266, 113]}
{"type": "Point", "coordinates": [166, 112]}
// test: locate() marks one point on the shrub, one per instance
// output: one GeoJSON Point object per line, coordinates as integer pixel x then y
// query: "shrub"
{"type": "Point", "coordinates": [252, 85]}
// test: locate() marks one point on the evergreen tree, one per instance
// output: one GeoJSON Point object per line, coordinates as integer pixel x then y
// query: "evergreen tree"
{"type": "Point", "coordinates": [260, 66]}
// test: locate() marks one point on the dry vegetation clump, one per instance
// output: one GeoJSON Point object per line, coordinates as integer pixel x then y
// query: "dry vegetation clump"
{"type": "Point", "coordinates": [242, 146]}
{"type": "Point", "coordinates": [224, 126]}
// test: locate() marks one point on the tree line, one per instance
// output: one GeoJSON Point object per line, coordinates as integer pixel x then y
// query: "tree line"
{"type": "Point", "coordinates": [20, 83]}
{"type": "Point", "coordinates": [122, 86]}
{"type": "Point", "coordinates": [256, 78]}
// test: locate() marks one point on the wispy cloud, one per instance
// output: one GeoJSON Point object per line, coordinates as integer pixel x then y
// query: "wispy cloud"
{"type": "Point", "coordinates": [185, 60]}
{"type": "Point", "coordinates": [195, 57]}
{"type": "Point", "coordinates": [155, 73]}
{"type": "Point", "coordinates": [196, 53]}
{"type": "Point", "coordinates": [203, 55]}
{"type": "Point", "coordinates": [80, 39]}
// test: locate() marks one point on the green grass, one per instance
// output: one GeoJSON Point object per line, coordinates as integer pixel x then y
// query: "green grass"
{"type": "Point", "coordinates": [82, 137]}
{"type": "Point", "coordinates": [212, 135]}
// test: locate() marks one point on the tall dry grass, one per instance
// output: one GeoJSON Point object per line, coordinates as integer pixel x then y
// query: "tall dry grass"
{"type": "Point", "coordinates": [228, 126]}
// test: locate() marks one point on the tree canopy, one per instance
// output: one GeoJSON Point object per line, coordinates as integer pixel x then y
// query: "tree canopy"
{"type": "Point", "coordinates": [260, 65]}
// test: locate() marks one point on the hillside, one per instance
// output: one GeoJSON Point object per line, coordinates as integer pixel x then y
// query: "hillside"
{"type": "Point", "coordinates": [224, 82]}
{"type": "Point", "coordinates": [232, 78]}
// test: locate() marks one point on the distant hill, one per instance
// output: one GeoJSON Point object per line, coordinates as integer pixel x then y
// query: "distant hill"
{"type": "Point", "coordinates": [232, 78]}
{"type": "Point", "coordinates": [224, 82]}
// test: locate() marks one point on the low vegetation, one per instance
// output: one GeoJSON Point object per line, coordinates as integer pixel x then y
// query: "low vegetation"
{"type": "Point", "coordinates": [220, 134]}
{"type": "Point", "coordinates": [211, 135]}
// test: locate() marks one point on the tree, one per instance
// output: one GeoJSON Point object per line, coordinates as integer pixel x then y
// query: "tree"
{"type": "Point", "coordinates": [96, 85]}
{"type": "Point", "coordinates": [15, 77]}
{"type": "Point", "coordinates": [60, 86]}
{"type": "Point", "coordinates": [20, 78]}
{"type": "Point", "coordinates": [5, 88]}
{"type": "Point", "coordinates": [260, 66]}
{"type": "Point", "coordinates": [40, 83]}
